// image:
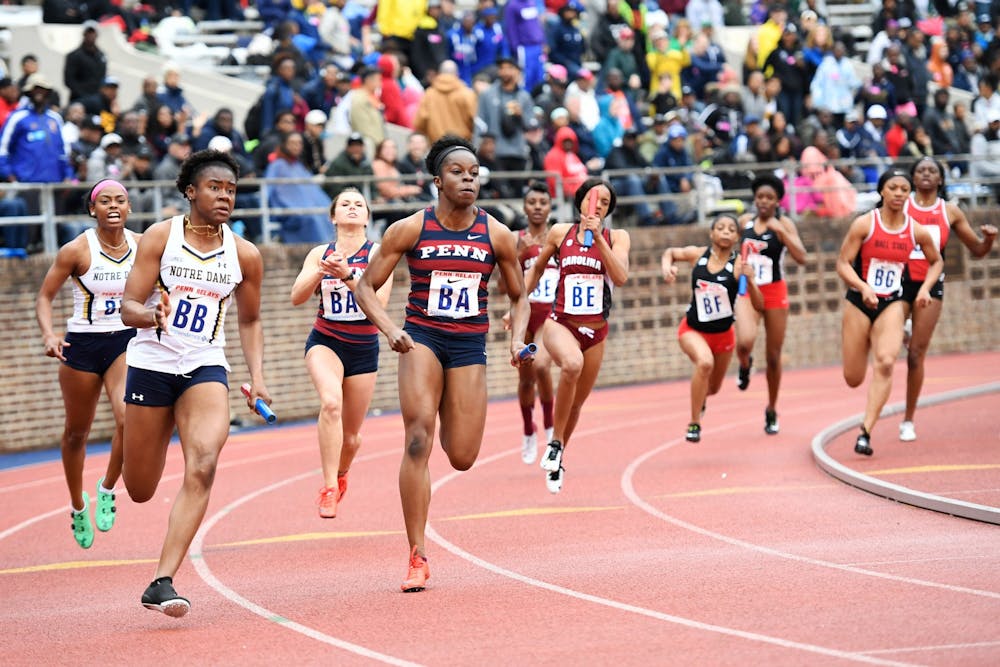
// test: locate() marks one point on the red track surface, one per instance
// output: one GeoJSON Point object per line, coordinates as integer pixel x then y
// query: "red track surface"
{"type": "Point", "coordinates": [734, 551]}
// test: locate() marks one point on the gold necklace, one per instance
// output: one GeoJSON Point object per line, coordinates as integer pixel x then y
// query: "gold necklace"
{"type": "Point", "coordinates": [195, 228]}
{"type": "Point", "coordinates": [112, 247]}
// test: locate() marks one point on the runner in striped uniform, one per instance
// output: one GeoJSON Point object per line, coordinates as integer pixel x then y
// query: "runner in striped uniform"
{"type": "Point", "coordinates": [451, 249]}
{"type": "Point", "coordinates": [342, 349]}
{"type": "Point", "coordinates": [187, 271]}
{"type": "Point", "coordinates": [93, 350]}
{"type": "Point", "coordinates": [872, 261]}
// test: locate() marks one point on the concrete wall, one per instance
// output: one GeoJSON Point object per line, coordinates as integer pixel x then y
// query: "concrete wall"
{"type": "Point", "coordinates": [642, 341]}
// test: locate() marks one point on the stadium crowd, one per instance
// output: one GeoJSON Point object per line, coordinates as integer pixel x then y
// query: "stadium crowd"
{"type": "Point", "coordinates": [556, 85]}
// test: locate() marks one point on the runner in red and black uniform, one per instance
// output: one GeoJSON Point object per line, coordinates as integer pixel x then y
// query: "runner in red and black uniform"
{"type": "Point", "coordinates": [872, 262]}
{"type": "Point", "coordinates": [451, 249]}
{"type": "Point", "coordinates": [928, 207]}
{"type": "Point", "coordinates": [342, 349]}
{"type": "Point", "coordinates": [578, 325]}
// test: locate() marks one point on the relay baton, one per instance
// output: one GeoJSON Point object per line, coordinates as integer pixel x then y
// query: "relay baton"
{"type": "Point", "coordinates": [743, 278]}
{"type": "Point", "coordinates": [588, 236]}
{"type": "Point", "coordinates": [527, 352]}
{"type": "Point", "coordinates": [262, 408]}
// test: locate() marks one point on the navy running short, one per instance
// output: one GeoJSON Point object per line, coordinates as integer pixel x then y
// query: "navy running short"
{"type": "Point", "coordinates": [452, 350]}
{"type": "Point", "coordinates": [95, 352]}
{"type": "Point", "coordinates": [156, 389]}
{"type": "Point", "coordinates": [911, 287]}
{"type": "Point", "coordinates": [854, 298]}
{"type": "Point", "coordinates": [357, 358]}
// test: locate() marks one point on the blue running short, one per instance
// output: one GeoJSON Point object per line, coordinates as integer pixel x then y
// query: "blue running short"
{"type": "Point", "coordinates": [156, 389]}
{"type": "Point", "coordinates": [452, 350]}
{"type": "Point", "coordinates": [357, 358]}
{"type": "Point", "coordinates": [95, 352]}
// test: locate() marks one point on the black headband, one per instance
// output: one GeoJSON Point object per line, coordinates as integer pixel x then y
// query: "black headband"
{"type": "Point", "coordinates": [436, 167]}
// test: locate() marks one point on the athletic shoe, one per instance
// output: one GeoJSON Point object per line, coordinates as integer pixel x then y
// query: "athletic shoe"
{"type": "Point", "coordinates": [327, 501]}
{"type": "Point", "coordinates": [770, 422]}
{"type": "Point", "coordinates": [863, 445]}
{"type": "Point", "coordinates": [693, 433]}
{"type": "Point", "coordinates": [83, 529]}
{"type": "Point", "coordinates": [341, 485]}
{"type": "Point", "coordinates": [104, 515]}
{"type": "Point", "coordinates": [529, 447]}
{"type": "Point", "coordinates": [160, 596]}
{"type": "Point", "coordinates": [554, 480]}
{"type": "Point", "coordinates": [418, 574]}
{"type": "Point", "coordinates": [553, 456]}
{"type": "Point", "coordinates": [906, 432]}
{"type": "Point", "coordinates": [744, 377]}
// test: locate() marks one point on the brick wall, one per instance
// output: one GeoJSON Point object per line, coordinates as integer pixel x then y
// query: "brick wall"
{"type": "Point", "coordinates": [642, 342]}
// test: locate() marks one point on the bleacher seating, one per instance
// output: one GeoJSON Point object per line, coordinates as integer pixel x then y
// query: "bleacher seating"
{"type": "Point", "coordinates": [854, 18]}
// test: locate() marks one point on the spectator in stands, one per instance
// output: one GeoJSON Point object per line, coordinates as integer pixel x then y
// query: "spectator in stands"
{"type": "Point", "coordinates": [706, 12]}
{"type": "Point", "coordinates": [627, 112]}
{"type": "Point", "coordinates": [264, 152]}
{"type": "Point", "coordinates": [551, 94]}
{"type": "Point", "coordinates": [71, 122]}
{"type": "Point", "coordinates": [609, 128]}
{"type": "Point", "coordinates": [770, 34]}
{"type": "Point", "coordinates": [898, 133]}
{"type": "Point", "coordinates": [389, 186]}
{"type": "Point", "coordinates": [984, 106]}
{"type": "Point", "coordinates": [29, 66]}
{"type": "Point", "coordinates": [562, 159]}
{"type": "Point", "coordinates": [280, 93]}
{"type": "Point", "coordinates": [877, 90]}
{"type": "Point", "coordinates": [169, 166]}
{"type": "Point", "coordinates": [538, 145]}
{"type": "Point", "coordinates": [140, 196]}
{"type": "Point", "coordinates": [221, 125]}
{"type": "Point", "coordinates": [940, 124]}
{"type": "Point", "coordinates": [835, 84]}
{"type": "Point", "coordinates": [448, 106]}
{"type": "Point", "coordinates": [566, 42]}
{"type": "Point", "coordinates": [881, 41]}
{"type": "Point", "coordinates": [81, 149]}
{"type": "Point", "coordinates": [171, 94]}
{"type": "Point", "coordinates": [430, 43]}
{"type": "Point", "coordinates": [586, 147]}
{"type": "Point", "coordinates": [626, 156]}
{"type": "Point", "coordinates": [335, 31]}
{"type": "Point", "coordinates": [390, 94]}
{"type": "Point", "coordinates": [490, 42]}
{"type": "Point", "coordinates": [666, 56]}
{"type": "Point", "coordinates": [397, 21]}
{"type": "Point", "coordinates": [130, 126]}
{"type": "Point", "coordinates": [918, 143]}
{"type": "Point", "coordinates": [653, 139]}
{"type": "Point", "coordinates": [104, 103]}
{"type": "Point", "coordinates": [674, 153]}
{"type": "Point", "coordinates": [968, 73]}
{"type": "Point", "coordinates": [350, 162]}
{"type": "Point", "coordinates": [916, 56]}
{"type": "Point", "coordinates": [787, 62]}
{"type": "Point", "coordinates": [818, 43]}
{"type": "Point", "coordinates": [985, 149]}
{"type": "Point", "coordinates": [313, 152]}
{"type": "Point", "coordinates": [503, 110]}
{"type": "Point", "coordinates": [85, 66]}
{"type": "Point", "coordinates": [148, 100]}
{"type": "Point", "coordinates": [622, 58]}
{"type": "Point", "coordinates": [522, 26]}
{"type": "Point", "coordinates": [708, 62]}
{"type": "Point", "coordinates": [412, 163]}
{"type": "Point", "coordinates": [160, 126]}
{"type": "Point", "coordinates": [606, 31]}
{"type": "Point", "coordinates": [297, 227]}
{"type": "Point", "coordinates": [583, 91]}
{"type": "Point", "coordinates": [753, 98]}
{"type": "Point", "coordinates": [326, 90]}
{"type": "Point", "coordinates": [940, 69]}
{"type": "Point", "coordinates": [366, 107]}
{"type": "Point", "coordinates": [9, 97]}
{"type": "Point", "coordinates": [462, 46]}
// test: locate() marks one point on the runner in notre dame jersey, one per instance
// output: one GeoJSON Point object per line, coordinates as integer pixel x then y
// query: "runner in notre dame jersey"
{"type": "Point", "coordinates": [342, 349]}
{"type": "Point", "coordinates": [767, 237]}
{"type": "Point", "coordinates": [872, 261]}
{"type": "Point", "coordinates": [927, 205]}
{"type": "Point", "coordinates": [578, 324]}
{"type": "Point", "coordinates": [451, 250]}
{"type": "Point", "coordinates": [706, 332]}
{"type": "Point", "coordinates": [93, 350]}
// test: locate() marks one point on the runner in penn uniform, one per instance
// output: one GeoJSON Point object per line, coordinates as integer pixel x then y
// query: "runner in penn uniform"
{"type": "Point", "coordinates": [342, 349]}
{"type": "Point", "coordinates": [872, 262]}
{"type": "Point", "coordinates": [451, 250]}
{"type": "Point", "coordinates": [927, 205]}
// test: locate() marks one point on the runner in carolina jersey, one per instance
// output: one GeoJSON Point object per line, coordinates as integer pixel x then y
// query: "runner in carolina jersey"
{"type": "Point", "coordinates": [537, 209]}
{"type": "Point", "coordinates": [872, 261]}
{"type": "Point", "coordinates": [451, 249]}
{"type": "Point", "coordinates": [576, 331]}
{"type": "Point", "coordinates": [706, 333]}
{"type": "Point", "coordinates": [767, 237]}
{"type": "Point", "coordinates": [98, 261]}
{"type": "Point", "coordinates": [928, 207]}
{"type": "Point", "coordinates": [342, 349]}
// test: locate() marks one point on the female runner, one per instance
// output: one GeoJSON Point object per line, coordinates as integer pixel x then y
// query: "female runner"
{"type": "Point", "coordinates": [706, 332]}
{"type": "Point", "coordinates": [872, 261]}
{"type": "Point", "coordinates": [93, 351]}
{"type": "Point", "coordinates": [928, 207]}
{"type": "Point", "coordinates": [578, 324]}
{"type": "Point", "coordinates": [342, 349]}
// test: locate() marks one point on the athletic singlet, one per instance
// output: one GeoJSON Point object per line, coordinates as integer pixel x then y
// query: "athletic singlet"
{"type": "Point", "coordinates": [883, 256]}
{"type": "Point", "coordinates": [449, 276]}
{"type": "Point", "coordinates": [765, 253]}
{"type": "Point", "coordinates": [338, 315]}
{"type": "Point", "coordinates": [935, 219]}
{"type": "Point", "coordinates": [584, 291]}
{"type": "Point", "coordinates": [97, 294]}
{"type": "Point", "coordinates": [712, 295]}
{"type": "Point", "coordinates": [545, 291]}
{"type": "Point", "coordinates": [200, 287]}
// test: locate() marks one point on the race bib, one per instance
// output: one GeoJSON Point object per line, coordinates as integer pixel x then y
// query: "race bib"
{"type": "Point", "coordinates": [763, 269]}
{"type": "Point", "coordinates": [454, 294]}
{"type": "Point", "coordinates": [584, 294]}
{"type": "Point", "coordinates": [545, 291]}
{"type": "Point", "coordinates": [712, 302]}
{"type": "Point", "coordinates": [339, 304]}
{"type": "Point", "coordinates": [935, 232]}
{"type": "Point", "coordinates": [885, 277]}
